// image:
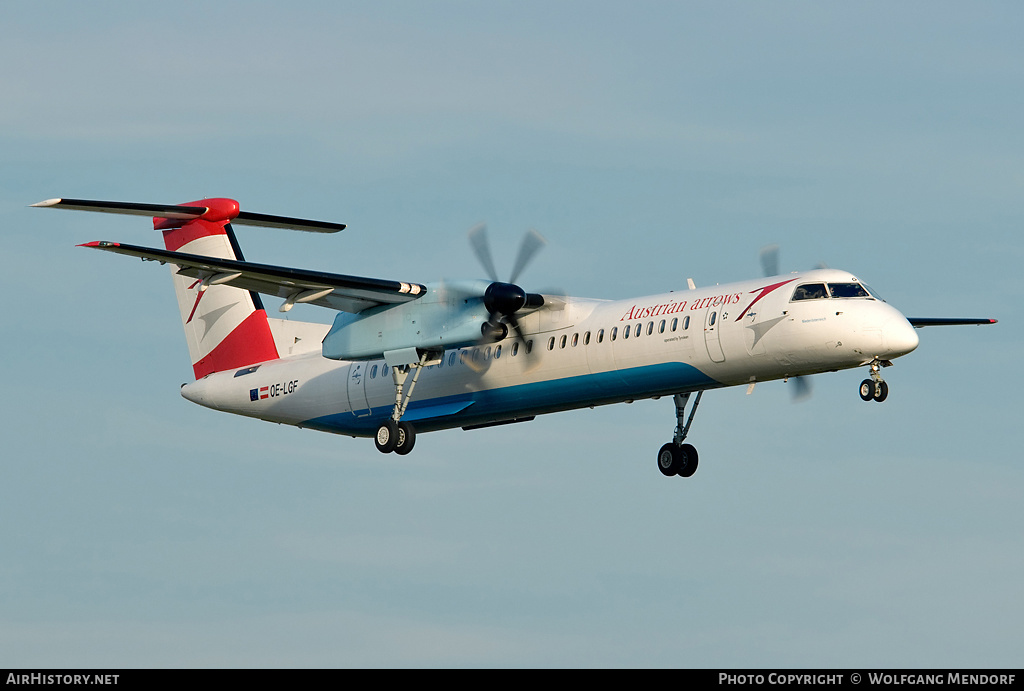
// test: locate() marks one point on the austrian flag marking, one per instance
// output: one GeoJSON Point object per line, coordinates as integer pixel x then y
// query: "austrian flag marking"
{"type": "Point", "coordinates": [274, 390]}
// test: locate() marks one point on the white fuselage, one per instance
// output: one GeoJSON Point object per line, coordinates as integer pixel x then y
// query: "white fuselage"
{"type": "Point", "coordinates": [581, 356]}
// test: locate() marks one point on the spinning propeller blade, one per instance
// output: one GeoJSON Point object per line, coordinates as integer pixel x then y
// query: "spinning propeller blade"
{"type": "Point", "coordinates": [533, 242]}
{"type": "Point", "coordinates": [769, 256]}
{"type": "Point", "coordinates": [482, 248]}
{"type": "Point", "coordinates": [801, 388]}
{"type": "Point", "coordinates": [501, 299]}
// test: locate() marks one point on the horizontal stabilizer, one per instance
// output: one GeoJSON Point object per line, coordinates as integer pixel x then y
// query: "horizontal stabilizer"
{"type": "Point", "coordinates": [191, 212]}
{"type": "Point", "coordinates": [249, 218]}
{"type": "Point", "coordinates": [336, 291]}
{"type": "Point", "coordinates": [128, 208]}
{"type": "Point", "coordinates": [920, 322]}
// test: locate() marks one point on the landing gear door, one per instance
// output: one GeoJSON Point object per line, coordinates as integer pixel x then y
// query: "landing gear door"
{"type": "Point", "coordinates": [357, 389]}
{"type": "Point", "coordinates": [713, 320]}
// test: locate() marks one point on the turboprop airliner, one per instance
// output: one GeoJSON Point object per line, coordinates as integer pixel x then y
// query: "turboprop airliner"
{"type": "Point", "coordinates": [402, 358]}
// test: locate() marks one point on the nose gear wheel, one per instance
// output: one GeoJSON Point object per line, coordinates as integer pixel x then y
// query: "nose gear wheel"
{"type": "Point", "coordinates": [875, 388]}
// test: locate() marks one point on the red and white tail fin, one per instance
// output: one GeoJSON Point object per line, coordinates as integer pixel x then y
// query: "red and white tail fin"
{"type": "Point", "coordinates": [226, 328]}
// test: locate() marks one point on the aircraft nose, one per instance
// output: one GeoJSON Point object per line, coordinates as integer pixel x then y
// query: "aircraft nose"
{"type": "Point", "coordinates": [900, 337]}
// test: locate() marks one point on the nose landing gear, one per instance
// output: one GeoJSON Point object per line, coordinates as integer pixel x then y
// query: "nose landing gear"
{"type": "Point", "coordinates": [875, 388]}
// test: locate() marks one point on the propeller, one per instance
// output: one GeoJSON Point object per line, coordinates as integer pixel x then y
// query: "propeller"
{"type": "Point", "coordinates": [532, 243]}
{"type": "Point", "coordinates": [503, 299]}
{"type": "Point", "coordinates": [482, 248]}
{"type": "Point", "coordinates": [801, 388]}
{"type": "Point", "coordinates": [769, 256]}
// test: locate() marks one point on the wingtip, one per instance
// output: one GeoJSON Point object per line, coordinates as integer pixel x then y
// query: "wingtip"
{"type": "Point", "coordinates": [47, 202]}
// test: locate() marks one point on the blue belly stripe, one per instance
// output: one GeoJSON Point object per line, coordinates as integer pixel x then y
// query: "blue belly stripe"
{"type": "Point", "coordinates": [522, 400]}
{"type": "Point", "coordinates": [430, 409]}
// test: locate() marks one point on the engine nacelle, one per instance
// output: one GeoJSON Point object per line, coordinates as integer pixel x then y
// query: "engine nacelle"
{"type": "Point", "coordinates": [450, 315]}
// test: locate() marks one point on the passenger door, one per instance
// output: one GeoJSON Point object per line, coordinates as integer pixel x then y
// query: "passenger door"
{"type": "Point", "coordinates": [713, 319]}
{"type": "Point", "coordinates": [357, 389]}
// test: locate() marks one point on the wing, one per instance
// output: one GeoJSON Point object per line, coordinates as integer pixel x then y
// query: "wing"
{"type": "Point", "coordinates": [336, 291]}
{"type": "Point", "coordinates": [920, 322]}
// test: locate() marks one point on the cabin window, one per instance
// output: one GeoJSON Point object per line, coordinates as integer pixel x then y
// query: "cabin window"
{"type": "Point", "coordinates": [625, 332]}
{"type": "Point", "coordinates": [586, 338]}
{"type": "Point", "coordinates": [636, 332]}
{"type": "Point", "coordinates": [487, 353]}
{"type": "Point", "coordinates": [551, 343]}
{"type": "Point", "coordinates": [515, 349]}
{"type": "Point", "coordinates": [661, 327]}
{"type": "Point", "coordinates": [711, 321]}
{"type": "Point", "coordinates": [451, 359]}
{"type": "Point", "coordinates": [384, 370]}
{"type": "Point", "coordinates": [562, 340]}
{"type": "Point", "coordinates": [675, 323]}
{"type": "Point", "coordinates": [497, 352]}
{"type": "Point", "coordinates": [575, 339]}
{"type": "Point", "coordinates": [810, 291]}
{"type": "Point", "coordinates": [529, 346]}
{"type": "Point", "coordinates": [462, 357]}
{"type": "Point", "coordinates": [686, 323]}
{"type": "Point", "coordinates": [373, 372]}
{"type": "Point", "coordinates": [600, 336]}
{"type": "Point", "coordinates": [615, 332]}
{"type": "Point", "coordinates": [650, 328]}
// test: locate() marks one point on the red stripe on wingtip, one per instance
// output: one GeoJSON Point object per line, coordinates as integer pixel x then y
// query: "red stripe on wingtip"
{"type": "Point", "coordinates": [99, 243]}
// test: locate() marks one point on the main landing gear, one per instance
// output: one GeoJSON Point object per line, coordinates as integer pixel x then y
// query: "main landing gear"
{"type": "Point", "coordinates": [875, 388]}
{"type": "Point", "coordinates": [677, 458]}
{"type": "Point", "coordinates": [394, 434]}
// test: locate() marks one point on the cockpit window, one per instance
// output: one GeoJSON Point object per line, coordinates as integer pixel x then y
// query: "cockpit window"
{"type": "Point", "coordinates": [848, 290]}
{"type": "Point", "coordinates": [810, 291]}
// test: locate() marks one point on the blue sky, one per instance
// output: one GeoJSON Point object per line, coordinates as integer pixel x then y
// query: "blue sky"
{"type": "Point", "coordinates": [649, 143]}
